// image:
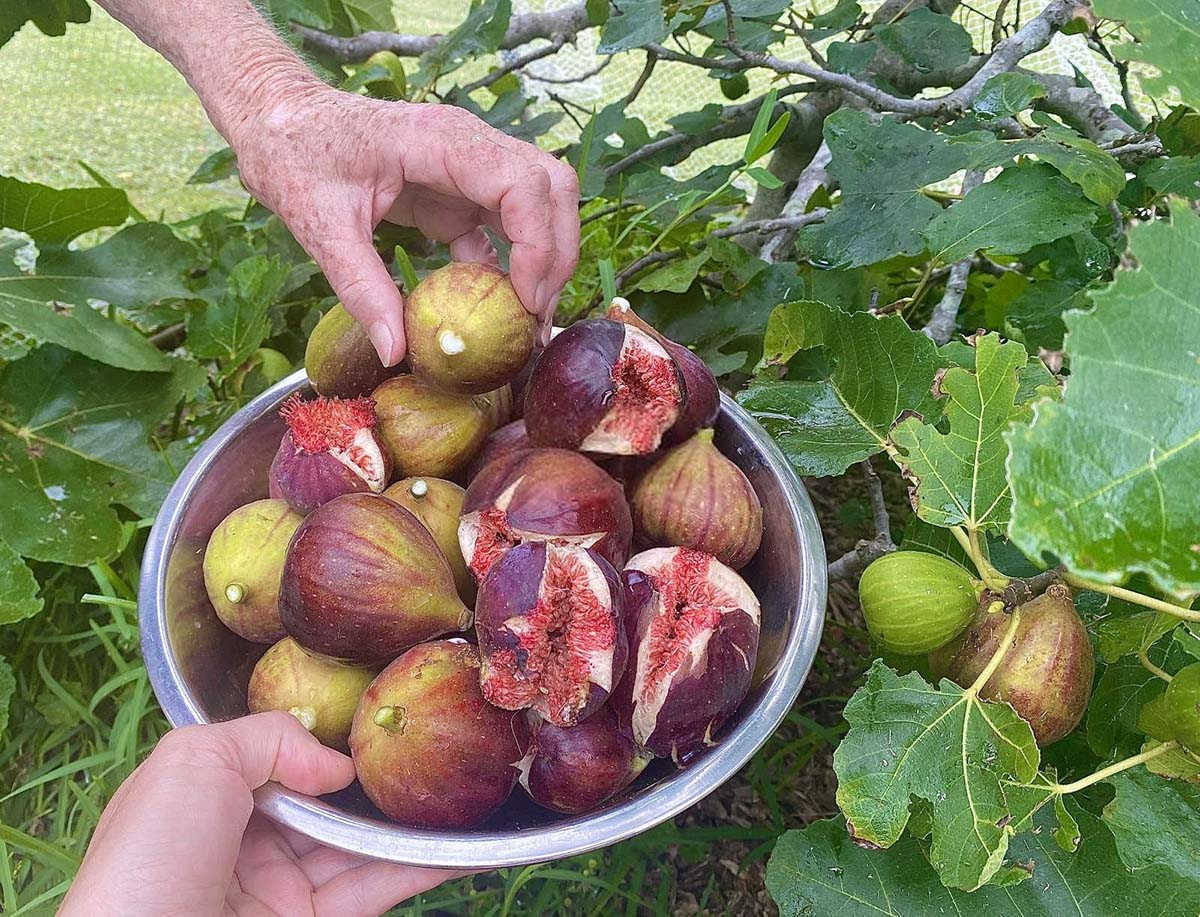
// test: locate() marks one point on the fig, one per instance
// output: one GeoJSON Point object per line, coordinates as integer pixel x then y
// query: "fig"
{"type": "Point", "coordinates": [364, 580]}
{"type": "Point", "coordinates": [702, 398]}
{"type": "Point", "coordinates": [693, 641]}
{"type": "Point", "coordinates": [914, 602]}
{"type": "Point", "coordinates": [1182, 706]}
{"type": "Point", "coordinates": [576, 768]}
{"type": "Point", "coordinates": [497, 406]}
{"type": "Point", "coordinates": [340, 359]}
{"type": "Point", "coordinates": [438, 504]}
{"type": "Point", "coordinates": [427, 431]}
{"type": "Point", "coordinates": [1046, 673]}
{"type": "Point", "coordinates": [508, 439]}
{"type": "Point", "coordinates": [694, 497]}
{"type": "Point", "coordinates": [320, 692]}
{"type": "Point", "coordinates": [242, 566]}
{"type": "Point", "coordinates": [467, 330]}
{"type": "Point", "coordinates": [550, 624]}
{"type": "Point", "coordinates": [429, 751]}
{"type": "Point", "coordinates": [331, 447]}
{"type": "Point", "coordinates": [604, 387]}
{"type": "Point", "coordinates": [543, 495]}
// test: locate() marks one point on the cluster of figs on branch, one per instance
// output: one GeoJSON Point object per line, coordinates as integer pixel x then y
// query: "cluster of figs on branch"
{"type": "Point", "coordinates": [917, 603]}
{"type": "Point", "coordinates": [572, 613]}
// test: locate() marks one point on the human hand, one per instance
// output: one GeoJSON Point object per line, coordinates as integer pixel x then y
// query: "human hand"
{"type": "Point", "coordinates": [180, 835]}
{"type": "Point", "coordinates": [332, 165]}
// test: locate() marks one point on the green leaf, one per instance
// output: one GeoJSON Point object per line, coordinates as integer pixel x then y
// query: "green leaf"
{"type": "Point", "coordinates": [640, 23]}
{"type": "Point", "coordinates": [933, 539]}
{"type": "Point", "coordinates": [1034, 316]}
{"type": "Point", "coordinates": [1100, 177]}
{"type": "Point", "coordinates": [1167, 33]}
{"type": "Point", "coordinates": [232, 329]}
{"type": "Point", "coordinates": [1155, 823]}
{"type": "Point", "coordinates": [927, 40]}
{"type": "Point", "coordinates": [368, 15]}
{"type": "Point", "coordinates": [50, 16]}
{"type": "Point", "coordinates": [217, 167]}
{"type": "Point", "coordinates": [8, 685]}
{"type": "Point", "coordinates": [1177, 175]}
{"type": "Point", "coordinates": [74, 439]}
{"type": "Point", "coordinates": [597, 11]}
{"type": "Point", "coordinates": [974, 761]}
{"type": "Point", "coordinates": [764, 146]}
{"type": "Point", "coordinates": [1022, 207]}
{"type": "Point", "coordinates": [851, 57]}
{"type": "Point", "coordinates": [55, 216]}
{"type": "Point", "coordinates": [879, 369]}
{"type": "Point", "coordinates": [1121, 691]}
{"type": "Point", "coordinates": [960, 475]}
{"type": "Point", "coordinates": [479, 33]}
{"type": "Point", "coordinates": [407, 271]}
{"type": "Point", "coordinates": [19, 597]}
{"type": "Point", "coordinates": [1108, 480]}
{"type": "Point", "coordinates": [1006, 94]}
{"type": "Point", "coordinates": [673, 277]}
{"type": "Point", "coordinates": [381, 74]}
{"type": "Point", "coordinates": [608, 279]}
{"type": "Point", "coordinates": [764, 178]}
{"type": "Point", "coordinates": [1127, 628]}
{"type": "Point", "coordinates": [758, 130]}
{"type": "Point", "coordinates": [843, 15]}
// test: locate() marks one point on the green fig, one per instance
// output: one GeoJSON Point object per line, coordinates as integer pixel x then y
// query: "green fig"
{"type": "Point", "coordinates": [914, 602]}
{"type": "Point", "coordinates": [426, 430]}
{"type": "Point", "coordinates": [437, 503]}
{"type": "Point", "coordinates": [340, 359]}
{"type": "Point", "coordinates": [1181, 706]}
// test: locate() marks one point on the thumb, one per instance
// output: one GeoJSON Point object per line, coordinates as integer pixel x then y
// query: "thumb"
{"type": "Point", "coordinates": [362, 283]}
{"type": "Point", "coordinates": [275, 746]}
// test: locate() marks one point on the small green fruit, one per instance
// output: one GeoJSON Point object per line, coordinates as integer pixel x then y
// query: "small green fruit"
{"type": "Point", "coordinates": [272, 364]}
{"type": "Point", "coordinates": [438, 505]}
{"type": "Point", "coordinates": [914, 602]}
{"type": "Point", "coordinates": [1183, 707]}
{"type": "Point", "coordinates": [736, 86]}
{"type": "Point", "coordinates": [467, 330]}
{"type": "Point", "coordinates": [340, 359]}
{"type": "Point", "coordinates": [242, 566]}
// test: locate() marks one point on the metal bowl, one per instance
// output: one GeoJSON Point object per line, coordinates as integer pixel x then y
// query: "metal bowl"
{"type": "Point", "coordinates": [200, 670]}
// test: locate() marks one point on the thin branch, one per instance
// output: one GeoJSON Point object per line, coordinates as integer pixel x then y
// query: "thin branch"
{"type": "Point", "coordinates": [944, 319]}
{"type": "Point", "coordinates": [813, 177]}
{"type": "Point", "coordinates": [554, 47]}
{"type": "Point", "coordinates": [168, 338]}
{"type": "Point", "coordinates": [857, 558]}
{"type": "Point", "coordinates": [635, 91]}
{"type": "Point", "coordinates": [567, 80]}
{"type": "Point", "coordinates": [644, 262]}
{"type": "Point", "coordinates": [1020, 591]}
{"type": "Point", "coordinates": [1130, 153]}
{"type": "Point", "coordinates": [1080, 107]}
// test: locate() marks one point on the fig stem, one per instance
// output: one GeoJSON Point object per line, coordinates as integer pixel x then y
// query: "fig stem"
{"type": "Point", "coordinates": [1123, 765]}
{"type": "Point", "coordinates": [235, 592]}
{"type": "Point", "coordinates": [1151, 667]}
{"type": "Point", "coordinates": [306, 715]}
{"type": "Point", "coordinates": [419, 488]}
{"type": "Point", "coordinates": [969, 541]}
{"type": "Point", "coordinates": [1128, 595]}
{"type": "Point", "coordinates": [1005, 642]}
{"type": "Point", "coordinates": [392, 720]}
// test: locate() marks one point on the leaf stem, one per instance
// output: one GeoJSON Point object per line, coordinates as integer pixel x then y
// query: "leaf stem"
{"type": "Point", "coordinates": [994, 662]}
{"type": "Point", "coordinates": [1136, 598]}
{"type": "Point", "coordinates": [1104, 773]}
{"type": "Point", "coordinates": [1150, 666]}
{"type": "Point", "coordinates": [968, 540]}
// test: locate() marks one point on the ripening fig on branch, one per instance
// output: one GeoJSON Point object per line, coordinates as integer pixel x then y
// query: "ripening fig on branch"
{"type": "Point", "coordinates": [914, 602]}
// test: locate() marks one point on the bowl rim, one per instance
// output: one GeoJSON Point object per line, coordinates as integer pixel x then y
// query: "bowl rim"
{"type": "Point", "coordinates": [381, 840]}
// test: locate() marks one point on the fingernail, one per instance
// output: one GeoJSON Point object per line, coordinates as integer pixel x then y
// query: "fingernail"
{"type": "Point", "coordinates": [381, 337]}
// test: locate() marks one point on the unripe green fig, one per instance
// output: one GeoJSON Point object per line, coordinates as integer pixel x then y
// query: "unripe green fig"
{"type": "Point", "coordinates": [467, 330]}
{"type": "Point", "coordinates": [736, 86]}
{"type": "Point", "coordinates": [914, 602]}
{"type": "Point", "coordinates": [272, 364]}
{"type": "Point", "coordinates": [1046, 673]}
{"type": "Point", "coordinates": [427, 430]}
{"type": "Point", "coordinates": [438, 505]}
{"type": "Point", "coordinates": [340, 359]}
{"type": "Point", "coordinates": [320, 692]}
{"type": "Point", "coordinates": [1182, 707]}
{"type": "Point", "coordinates": [243, 564]}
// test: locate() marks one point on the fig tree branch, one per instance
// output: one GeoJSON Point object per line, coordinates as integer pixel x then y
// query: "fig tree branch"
{"type": "Point", "coordinates": [944, 319]}
{"type": "Point", "coordinates": [639, 84]}
{"type": "Point", "coordinates": [854, 561]}
{"type": "Point", "coordinates": [554, 47]}
{"type": "Point", "coordinates": [813, 177]}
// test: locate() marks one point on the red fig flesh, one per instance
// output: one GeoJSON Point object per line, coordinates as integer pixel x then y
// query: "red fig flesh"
{"type": "Point", "coordinates": [543, 495]}
{"type": "Point", "coordinates": [604, 387]}
{"type": "Point", "coordinates": [692, 650]}
{"type": "Point", "coordinates": [551, 632]}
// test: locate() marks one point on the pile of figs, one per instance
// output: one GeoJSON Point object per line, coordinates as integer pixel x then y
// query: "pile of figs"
{"type": "Point", "coordinates": [498, 563]}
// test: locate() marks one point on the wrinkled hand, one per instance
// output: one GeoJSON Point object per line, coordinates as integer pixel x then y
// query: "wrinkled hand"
{"type": "Point", "coordinates": [333, 165]}
{"type": "Point", "coordinates": [180, 837]}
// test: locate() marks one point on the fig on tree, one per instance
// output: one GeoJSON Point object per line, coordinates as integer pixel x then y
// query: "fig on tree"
{"type": "Point", "coordinates": [437, 503]}
{"type": "Point", "coordinates": [428, 431]}
{"type": "Point", "coordinates": [364, 580]}
{"type": "Point", "coordinates": [340, 359]}
{"type": "Point", "coordinates": [605, 387]}
{"type": "Point", "coordinates": [320, 692]}
{"type": "Point", "coordinates": [541, 495]}
{"type": "Point", "coordinates": [549, 618]}
{"type": "Point", "coordinates": [1175, 714]}
{"type": "Point", "coordinates": [1046, 672]}
{"type": "Point", "coordinates": [430, 752]}
{"type": "Point", "coordinates": [914, 602]}
{"type": "Point", "coordinates": [694, 497]}
{"type": "Point", "coordinates": [467, 330]}
{"type": "Point", "coordinates": [331, 447]}
{"type": "Point", "coordinates": [694, 626]}
{"type": "Point", "coordinates": [243, 564]}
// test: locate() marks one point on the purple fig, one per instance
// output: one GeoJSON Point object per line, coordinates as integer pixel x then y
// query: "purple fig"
{"type": "Point", "coordinates": [509, 438]}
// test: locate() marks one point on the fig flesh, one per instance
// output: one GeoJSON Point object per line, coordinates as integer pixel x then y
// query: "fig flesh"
{"type": "Point", "coordinates": [427, 431]}
{"type": "Point", "coordinates": [694, 497]}
{"type": "Point", "coordinates": [438, 505]}
{"type": "Point", "coordinates": [693, 643]}
{"type": "Point", "coordinates": [364, 580]}
{"type": "Point", "coordinates": [508, 439]}
{"type": "Point", "coordinates": [340, 359]}
{"type": "Point", "coordinates": [604, 387]}
{"type": "Point", "coordinates": [467, 330]}
{"type": "Point", "coordinates": [542, 495]}
{"type": "Point", "coordinates": [429, 751]}
{"type": "Point", "coordinates": [551, 631]}
{"type": "Point", "coordinates": [575, 769]}
{"type": "Point", "coordinates": [331, 447]}
{"type": "Point", "coordinates": [242, 566]}
{"type": "Point", "coordinates": [320, 692]}
{"type": "Point", "coordinates": [1046, 673]}
{"type": "Point", "coordinates": [914, 602]}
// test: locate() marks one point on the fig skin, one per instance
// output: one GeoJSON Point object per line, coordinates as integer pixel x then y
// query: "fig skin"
{"type": "Point", "coordinates": [437, 503]}
{"type": "Point", "coordinates": [322, 693]}
{"type": "Point", "coordinates": [427, 431]}
{"type": "Point", "coordinates": [543, 494]}
{"type": "Point", "coordinates": [550, 623]}
{"type": "Point", "coordinates": [672, 703]}
{"type": "Point", "coordinates": [1175, 714]}
{"type": "Point", "coordinates": [508, 439]}
{"type": "Point", "coordinates": [694, 497]}
{"type": "Point", "coordinates": [340, 359]}
{"type": "Point", "coordinates": [364, 580]}
{"type": "Point", "coordinates": [1046, 674]}
{"type": "Point", "coordinates": [467, 330]}
{"type": "Point", "coordinates": [243, 564]}
{"type": "Point", "coordinates": [497, 406]}
{"type": "Point", "coordinates": [430, 752]}
{"type": "Point", "coordinates": [576, 768]}
{"type": "Point", "coordinates": [580, 396]}
{"type": "Point", "coordinates": [914, 602]}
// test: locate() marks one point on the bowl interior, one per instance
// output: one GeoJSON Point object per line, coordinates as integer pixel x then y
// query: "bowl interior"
{"type": "Point", "coordinates": [200, 669]}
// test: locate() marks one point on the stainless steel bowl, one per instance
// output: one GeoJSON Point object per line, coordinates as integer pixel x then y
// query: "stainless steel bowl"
{"type": "Point", "coordinates": [200, 670]}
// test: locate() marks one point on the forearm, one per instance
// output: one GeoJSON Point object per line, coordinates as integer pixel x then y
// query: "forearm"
{"type": "Point", "coordinates": [227, 52]}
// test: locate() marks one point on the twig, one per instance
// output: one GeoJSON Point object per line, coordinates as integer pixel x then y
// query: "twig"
{"type": "Point", "coordinates": [1130, 153]}
{"type": "Point", "coordinates": [567, 80]}
{"type": "Point", "coordinates": [635, 91]}
{"type": "Point", "coordinates": [644, 262]}
{"type": "Point", "coordinates": [813, 177]}
{"type": "Point", "coordinates": [857, 558]}
{"type": "Point", "coordinates": [1020, 591]}
{"type": "Point", "coordinates": [168, 338]}
{"type": "Point", "coordinates": [944, 319]}
{"type": "Point", "coordinates": [554, 47]}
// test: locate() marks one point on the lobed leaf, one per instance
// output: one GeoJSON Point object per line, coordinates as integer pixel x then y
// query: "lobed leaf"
{"type": "Point", "coordinates": [1155, 822]}
{"type": "Point", "coordinates": [1167, 33]}
{"type": "Point", "coordinates": [55, 216]}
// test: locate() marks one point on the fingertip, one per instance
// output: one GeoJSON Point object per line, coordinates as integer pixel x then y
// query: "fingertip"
{"type": "Point", "coordinates": [388, 338]}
